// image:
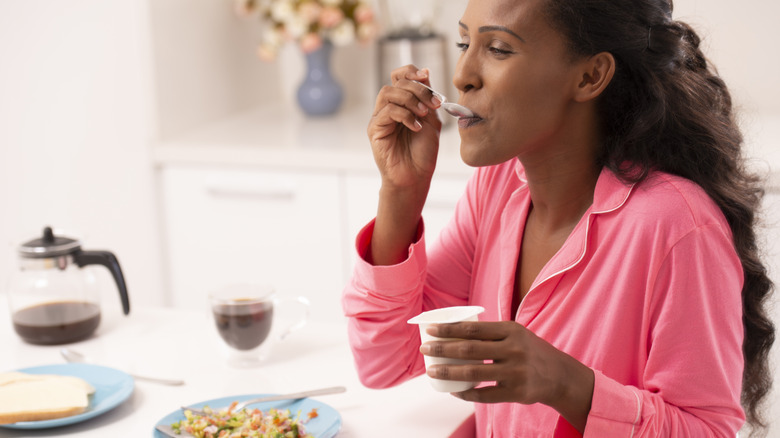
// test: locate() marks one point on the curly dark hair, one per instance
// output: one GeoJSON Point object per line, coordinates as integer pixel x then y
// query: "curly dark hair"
{"type": "Point", "coordinates": [667, 109]}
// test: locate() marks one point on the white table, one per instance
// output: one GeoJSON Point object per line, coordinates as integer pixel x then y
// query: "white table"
{"type": "Point", "coordinates": [175, 342]}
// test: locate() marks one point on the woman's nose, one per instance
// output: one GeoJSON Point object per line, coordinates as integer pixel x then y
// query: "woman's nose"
{"type": "Point", "coordinates": [466, 75]}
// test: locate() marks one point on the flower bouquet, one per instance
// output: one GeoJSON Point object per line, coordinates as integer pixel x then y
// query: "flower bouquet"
{"type": "Point", "coordinates": [310, 23]}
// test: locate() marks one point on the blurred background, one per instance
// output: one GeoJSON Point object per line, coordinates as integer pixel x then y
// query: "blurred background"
{"type": "Point", "coordinates": [152, 129]}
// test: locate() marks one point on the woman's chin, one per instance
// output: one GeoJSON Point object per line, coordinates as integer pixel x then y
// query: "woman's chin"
{"type": "Point", "coordinates": [478, 154]}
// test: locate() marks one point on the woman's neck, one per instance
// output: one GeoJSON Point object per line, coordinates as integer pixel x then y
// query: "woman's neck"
{"type": "Point", "coordinates": [561, 190]}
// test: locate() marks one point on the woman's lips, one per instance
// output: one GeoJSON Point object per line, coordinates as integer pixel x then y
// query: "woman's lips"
{"type": "Point", "coordinates": [466, 122]}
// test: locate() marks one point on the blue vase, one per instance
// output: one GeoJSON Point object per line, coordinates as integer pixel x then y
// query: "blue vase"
{"type": "Point", "coordinates": [319, 94]}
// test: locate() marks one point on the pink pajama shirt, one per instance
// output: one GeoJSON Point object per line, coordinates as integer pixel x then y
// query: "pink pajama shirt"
{"type": "Point", "coordinates": [645, 291]}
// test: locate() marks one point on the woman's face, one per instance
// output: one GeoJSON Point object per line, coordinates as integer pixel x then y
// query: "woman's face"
{"type": "Point", "coordinates": [515, 73]}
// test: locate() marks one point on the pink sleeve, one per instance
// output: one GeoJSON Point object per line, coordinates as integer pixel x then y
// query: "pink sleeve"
{"type": "Point", "coordinates": [380, 299]}
{"type": "Point", "coordinates": [693, 372]}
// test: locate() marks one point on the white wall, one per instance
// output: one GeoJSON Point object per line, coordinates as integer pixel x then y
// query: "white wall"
{"type": "Point", "coordinates": [740, 39]}
{"type": "Point", "coordinates": [75, 129]}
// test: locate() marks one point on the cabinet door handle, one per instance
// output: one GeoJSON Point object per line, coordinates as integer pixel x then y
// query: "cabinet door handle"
{"type": "Point", "coordinates": [264, 192]}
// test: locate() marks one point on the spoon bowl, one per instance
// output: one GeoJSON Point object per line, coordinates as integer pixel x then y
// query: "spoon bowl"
{"type": "Point", "coordinates": [457, 110]}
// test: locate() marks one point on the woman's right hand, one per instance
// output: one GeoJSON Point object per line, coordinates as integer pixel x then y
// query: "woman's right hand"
{"type": "Point", "coordinates": [404, 131]}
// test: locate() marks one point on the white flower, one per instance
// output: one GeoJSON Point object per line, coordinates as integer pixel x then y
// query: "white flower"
{"type": "Point", "coordinates": [366, 32]}
{"type": "Point", "coordinates": [343, 34]}
{"type": "Point", "coordinates": [273, 36]}
{"type": "Point", "coordinates": [296, 27]}
{"type": "Point", "coordinates": [310, 11]}
{"type": "Point", "coordinates": [282, 10]}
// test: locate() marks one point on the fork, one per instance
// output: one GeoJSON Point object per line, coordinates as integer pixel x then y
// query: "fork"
{"type": "Point", "coordinates": [291, 396]}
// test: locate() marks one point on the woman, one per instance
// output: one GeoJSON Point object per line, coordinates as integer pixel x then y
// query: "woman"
{"type": "Point", "coordinates": [608, 230]}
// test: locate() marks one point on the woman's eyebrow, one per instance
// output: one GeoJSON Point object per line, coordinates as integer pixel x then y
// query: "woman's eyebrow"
{"type": "Point", "coordinates": [484, 29]}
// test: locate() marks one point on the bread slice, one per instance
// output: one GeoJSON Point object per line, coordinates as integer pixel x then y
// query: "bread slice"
{"type": "Point", "coordinates": [16, 377]}
{"type": "Point", "coordinates": [32, 397]}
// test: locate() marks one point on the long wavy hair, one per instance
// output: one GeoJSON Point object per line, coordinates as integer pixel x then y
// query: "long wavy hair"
{"type": "Point", "coordinates": [667, 109]}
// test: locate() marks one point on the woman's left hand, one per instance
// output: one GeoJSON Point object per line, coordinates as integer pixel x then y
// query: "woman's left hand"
{"type": "Point", "coordinates": [525, 368]}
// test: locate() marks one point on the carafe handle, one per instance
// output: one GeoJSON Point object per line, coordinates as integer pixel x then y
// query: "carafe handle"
{"type": "Point", "coordinates": [109, 260]}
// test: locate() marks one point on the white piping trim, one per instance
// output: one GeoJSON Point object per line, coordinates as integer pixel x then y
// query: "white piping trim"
{"type": "Point", "coordinates": [582, 255]}
{"type": "Point", "coordinates": [585, 248]}
{"type": "Point", "coordinates": [638, 412]}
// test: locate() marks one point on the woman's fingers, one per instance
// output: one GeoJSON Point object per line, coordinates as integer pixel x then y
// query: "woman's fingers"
{"type": "Point", "coordinates": [460, 349]}
{"type": "Point", "coordinates": [409, 72]}
{"type": "Point", "coordinates": [485, 331]}
{"type": "Point", "coordinates": [386, 120]}
{"type": "Point", "coordinates": [410, 98]}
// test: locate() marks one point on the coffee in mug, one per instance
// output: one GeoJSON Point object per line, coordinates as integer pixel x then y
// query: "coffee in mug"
{"type": "Point", "coordinates": [244, 317]}
{"type": "Point", "coordinates": [244, 323]}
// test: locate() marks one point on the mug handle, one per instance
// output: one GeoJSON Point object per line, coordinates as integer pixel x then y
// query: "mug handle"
{"type": "Point", "coordinates": [306, 305]}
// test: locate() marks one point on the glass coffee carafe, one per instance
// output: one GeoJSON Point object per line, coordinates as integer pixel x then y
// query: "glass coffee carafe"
{"type": "Point", "coordinates": [51, 298]}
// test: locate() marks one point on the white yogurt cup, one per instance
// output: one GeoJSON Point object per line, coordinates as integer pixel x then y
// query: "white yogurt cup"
{"type": "Point", "coordinates": [443, 316]}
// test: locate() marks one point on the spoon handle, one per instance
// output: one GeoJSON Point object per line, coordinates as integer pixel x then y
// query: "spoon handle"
{"type": "Point", "coordinates": [438, 95]}
{"type": "Point", "coordinates": [161, 381]}
{"type": "Point", "coordinates": [75, 356]}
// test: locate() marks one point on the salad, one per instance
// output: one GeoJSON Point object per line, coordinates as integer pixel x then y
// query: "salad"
{"type": "Point", "coordinates": [246, 423]}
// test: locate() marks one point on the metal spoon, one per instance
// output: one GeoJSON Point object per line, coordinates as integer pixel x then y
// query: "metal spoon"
{"type": "Point", "coordinates": [453, 109]}
{"type": "Point", "coordinates": [76, 357]}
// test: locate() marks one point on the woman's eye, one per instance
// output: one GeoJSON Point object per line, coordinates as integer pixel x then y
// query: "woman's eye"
{"type": "Point", "coordinates": [499, 51]}
{"type": "Point", "coordinates": [462, 46]}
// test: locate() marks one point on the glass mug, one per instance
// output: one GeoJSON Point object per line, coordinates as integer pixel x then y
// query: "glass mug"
{"type": "Point", "coordinates": [244, 318]}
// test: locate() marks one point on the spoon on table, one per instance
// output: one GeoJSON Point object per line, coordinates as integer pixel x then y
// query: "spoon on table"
{"type": "Point", "coordinates": [269, 398]}
{"type": "Point", "coordinates": [453, 109]}
{"type": "Point", "coordinates": [77, 357]}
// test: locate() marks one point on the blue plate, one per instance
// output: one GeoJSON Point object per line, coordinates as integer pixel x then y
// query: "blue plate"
{"type": "Point", "coordinates": [112, 387]}
{"type": "Point", "coordinates": [326, 425]}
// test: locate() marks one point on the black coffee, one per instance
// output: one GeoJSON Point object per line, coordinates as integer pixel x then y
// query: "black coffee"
{"type": "Point", "coordinates": [58, 322]}
{"type": "Point", "coordinates": [244, 326]}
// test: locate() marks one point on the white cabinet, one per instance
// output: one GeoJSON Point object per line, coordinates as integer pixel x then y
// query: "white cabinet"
{"type": "Point", "coordinates": [227, 225]}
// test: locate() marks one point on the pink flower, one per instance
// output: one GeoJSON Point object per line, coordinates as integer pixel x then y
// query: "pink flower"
{"type": "Point", "coordinates": [364, 13]}
{"type": "Point", "coordinates": [311, 42]}
{"type": "Point", "coordinates": [331, 17]}
{"type": "Point", "coordinates": [245, 8]}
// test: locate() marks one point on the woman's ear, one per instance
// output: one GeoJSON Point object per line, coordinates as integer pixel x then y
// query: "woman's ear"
{"type": "Point", "coordinates": [597, 72]}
